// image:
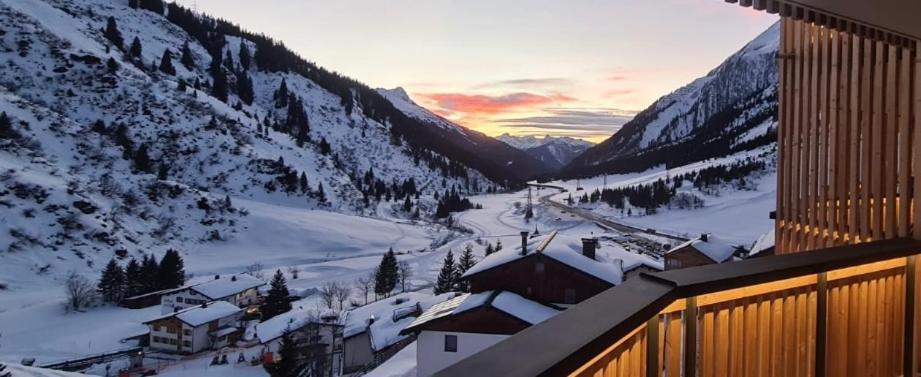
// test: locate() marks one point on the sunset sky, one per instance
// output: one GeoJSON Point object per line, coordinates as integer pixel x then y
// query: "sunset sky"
{"type": "Point", "coordinates": [577, 67]}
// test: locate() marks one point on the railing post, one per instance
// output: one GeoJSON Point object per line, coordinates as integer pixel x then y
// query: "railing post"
{"type": "Point", "coordinates": [821, 324]}
{"type": "Point", "coordinates": [690, 337]}
{"type": "Point", "coordinates": [911, 280]}
{"type": "Point", "coordinates": [652, 347]}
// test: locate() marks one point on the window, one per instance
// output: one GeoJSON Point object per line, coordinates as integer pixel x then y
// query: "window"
{"type": "Point", "coordinates": [186, 332]}
{"type": "Point", "coordinates": [156, 339]}
{"type": "Point", "coordinates": [186, 343]}
{"type": "Point", "coordinates": [569, 296]}
{"type": "Point", "coordinates": [172, 341]}
{"type": "Point", "coordinates": [539, 267]}
{"type": "Point", "coordinates": [179, 299]}
{"type": "Point", "coordinates": [156, 327]}
{"type": "Point", "coordinates": [450, 343]}
{"type": "Point", "coordinates": [170, 330]}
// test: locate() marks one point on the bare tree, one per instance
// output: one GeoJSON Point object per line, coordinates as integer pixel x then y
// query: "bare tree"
{"type": "Point", "coordinates": [254, 270]}
{"type": "Point", "coordinates": [365, 285]}
{"type": "Point", "coordinates": [343, 291]}
{"type": "Point", "coordinates": [80, 291]}
{"type": "Point", "coordinates": [405, 272]}
{"type": "Point", "coordinates": [328, 293]}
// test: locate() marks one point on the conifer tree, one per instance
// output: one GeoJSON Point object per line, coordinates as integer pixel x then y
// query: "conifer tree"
{"type": "Point", "coordinates": [6, 128]}
{"type": "Point", "coordinates": [172, 270]}
{"type": "Point", "coordinates": [407, 204]}
{"type": "Point", "coordinates": [112, 284]}
{"type": "Point", "coordinates": [498, 245]}
{"type": "Point", "coordinates": [166, 63]}
{"type": "Point", "coordinates": [228, 61]}
{"type": "Point", "coordinates": [489, 249]}
{"type": "Point", "coordinates": [321, 195]}
{"type": "Point", "coordinates": [302, 182]}
{"type": "Point", "coordinates": [276, 302]}
{"type": "Point", "coordinates": [245, 57]}
{"type": "Point", "coordinates": [245, 88]}
{"type": "Point", "coordinates": [464, 263]}
{"type": "Point", "coordinates": [111, 65]}
{"type": "Point", "coordinates": [288, 364]}
{"type": "Point", "coordinates": [155, 6]}
{"type": "Point", "coordinates": [219, 82]}
{"type": "Point", "coordinates": [142, 160]}
{"type": "Point", "coordinates": [134, 282]}
{"type": "Point", "coordinates": [386, 275]}
{"type": "Point", "coordinates": [149, 274]}
{"type": "Point", "coordinates": [113, 35]}
{"type": "Point", "coordinates": [281, 95]}
{"type": "Point", "coordinates": [187, 59]}
{"type": "Point", "coordinates": [135, 50]}
{"type": "Point", "coordinates": [445, 282]}
{"type": "Point", "coordinates": [181, 86]}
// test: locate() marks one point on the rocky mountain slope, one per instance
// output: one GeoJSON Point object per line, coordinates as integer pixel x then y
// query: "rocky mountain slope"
{"type": "Point", "coordinates": [731, 109]}
{"type": "Point", "coordinates": [556, 152]}
{"type": "Point", "coordinates": [129, 130]}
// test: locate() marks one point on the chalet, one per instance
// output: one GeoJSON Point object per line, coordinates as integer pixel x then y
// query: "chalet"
{"type": "Point", "coordinates": [372, 332]}
{"type": "Point", "coordinates": [205, 327]}
{"type": "Point", "coordinates": [701, 251]}
{"type": "Point", "coordinates": [561, 270]}
{"type": "Point", "coordinates": [318, 339]}
{"type": "Point", "coordinates": [240, 290]}
{"type": "Point", "coordinates": [460, 327]}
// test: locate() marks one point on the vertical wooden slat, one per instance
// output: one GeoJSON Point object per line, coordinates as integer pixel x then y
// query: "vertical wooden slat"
{"type": "Point", "coordinates": [866, 95]}
{"type": "Point", "coordinates": [707, 345]}
{"type": "Point", "coordinates": [891, 142]}
{"type": "Point", "coordinates": [876, 142]}
{"type": "Point", "coordinates": [811, 146]}
{"type": "Point", "coordinates": [821, 143]}
{"type": "Point", "coordinates": [779, 329]}
{"type": "Point", "coordinates": [909, 357]}
{"type": "Point", "coordinates": [854, 208]}
{"type": "Point", "coordinates": [834, 196]}
{"type": "Point", "coordinates": [764, 337]}
{"type": "Point", "coordinates": [821, 329]}
{"type": "Point", "coordinates": [904, 82]}
{"type": "Point", "coordinates": [795, 217]}
{"type": "Point", "coordinates": [842, 144]}
{"type": "Point", "coordinates": [690, 337]}
{"type": "Point", "coordinates": [916, 124]}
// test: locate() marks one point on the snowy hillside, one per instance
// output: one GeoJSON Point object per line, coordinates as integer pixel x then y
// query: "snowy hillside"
{"type": "Point", "coordinates": [731, 109]}
{"type": "Point", "coordinates": [555, 151]}
{"type": "Point", "coordinates": [126, 131]}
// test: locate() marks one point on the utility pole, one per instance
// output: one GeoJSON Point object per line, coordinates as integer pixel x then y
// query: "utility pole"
{"type": "Point", "coordinates": [529, 213]}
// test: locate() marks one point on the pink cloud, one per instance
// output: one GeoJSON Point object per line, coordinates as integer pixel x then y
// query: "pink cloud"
{"type": "Point", "coordinates": [484, 104]}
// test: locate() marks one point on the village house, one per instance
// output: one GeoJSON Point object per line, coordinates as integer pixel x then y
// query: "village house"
{"type": "Point", "coordinates": [460, 327]}
{"type": "Point", "coordinates": [704, 250]}
{"type": "Point", "coordinates": [240, 290]}
{"type": "Point", "coordinates": [208, 326]}
{"type": "Point", "coordinates": [318, 339]}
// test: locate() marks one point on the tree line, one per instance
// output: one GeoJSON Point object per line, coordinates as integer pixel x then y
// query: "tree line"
{"type": "Point", "coordinates": [137, 278]}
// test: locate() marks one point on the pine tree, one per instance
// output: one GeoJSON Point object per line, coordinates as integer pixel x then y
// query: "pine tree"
{"type": "Point", "coordinates": [155, 6]}
{"type": "Point", "coordinates": [228, 61]}
{"type": "Point", "coordinates": [386, 275]}
{"type": "Point", "coordinates": [245, 58]}
{"type": "Point", "coordinates": [181, 86]}
{"type": "Point", "coordinates": [142, 160]}
{"type": "Point", "coordinates": [172, 270]}
{"type": "Point", "coordinates": [111, 65]}
{"type": "Point", "coordinates": [113, 35]}
{"type": "Point", "coordinates": [134, 282]}
{"type": "Point", "coordinates": [112, 284]}
{"type": "Point", "coordinates": [321, 195]}
{"type": "Point", "coordinates": [498, 245]}
{"type": "Point", "coordinates": [187, 59]}
{"type": "Point", "coordinates": [276, 302]}
{"type": "Point", "coordinates": [245, 88]}
{"type": "Point", "coordinates": [466, 261]}
{"type": "Point", "coordinates": [445, 282]}
{"type": "Point", "coordinates": [489, 249]}
{"type": "Point", "coordinates": [134, 52]}
{"type": "Point", "coordinates": [288, 364]}
{"type": "Point", "coordinates": [6, 128]}
{"type": "Point", "coordinates": [166, 63]}
{"type": "Point", "coordinates": [281, 95]}
{"type": "Point", "coordinates": [219, 84]}
{"type": "Point", "coordinates": [149, 274]}
{"type": "Point", "coordinates": [302, 182]}
{"type": "Point", "coordinates": [407, 204]}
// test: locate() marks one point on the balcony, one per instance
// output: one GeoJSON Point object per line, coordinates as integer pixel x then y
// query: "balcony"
{"type": "Point", "coordinates": [842, 311]}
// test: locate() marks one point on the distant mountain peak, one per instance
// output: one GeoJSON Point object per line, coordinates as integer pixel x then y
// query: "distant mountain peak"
{"type": "Point", "coordinates": [397, 92]}
{"type": "Point", "coordinates": [556, 151]}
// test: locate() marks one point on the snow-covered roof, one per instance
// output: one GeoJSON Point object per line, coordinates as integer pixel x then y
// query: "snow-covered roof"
{"type": "Point", "coordinates": [766, 241]}
{"type": "Point", "coordinates": [291, 320]}
{"type": "Point", "coordinates": [384, 331]}
{"type": "Point", "coordinates": [199, 315]}
{"type": "Point", "coordinates": [713, 247]}
{"type": "Point", "coordinates": [562, 248]}
{"type": "Point", "coordinates": [227, 286]}
{"type": "Point", "coordinates": [507, 302]}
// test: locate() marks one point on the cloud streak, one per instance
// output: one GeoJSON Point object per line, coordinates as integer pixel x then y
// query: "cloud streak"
{"type": "Point", "coordinates": [577, 122]}
{"type": "Point", "coordinates": [485, 104]}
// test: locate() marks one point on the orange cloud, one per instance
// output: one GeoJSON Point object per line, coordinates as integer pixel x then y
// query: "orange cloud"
{"type": "Point", "coordinates": [449, 103]}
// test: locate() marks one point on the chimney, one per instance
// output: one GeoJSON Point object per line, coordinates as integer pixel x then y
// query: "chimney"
{"type": "Point", "coordinates": [233, 278]}
{"type": "Point", "coordinates": [524, 243]}
{"type": "Point", "coordinates": [588, 247]}
{"type": "Point", "coordinates": [619, 263]}
{"type": "Point", "coordinates": [217, 277]}
{"type": "Point", "coordinates": [704, 237]}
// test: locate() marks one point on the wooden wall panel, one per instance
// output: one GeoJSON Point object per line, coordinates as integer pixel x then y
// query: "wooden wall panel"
{"type": "Point", "coordinates": [847, 138]}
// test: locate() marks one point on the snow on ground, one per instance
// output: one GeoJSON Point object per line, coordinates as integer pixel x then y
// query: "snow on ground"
{"type": "Point", "coordinates": [24, 371]}
{"type": "Point", "coordinates": [738, 216]}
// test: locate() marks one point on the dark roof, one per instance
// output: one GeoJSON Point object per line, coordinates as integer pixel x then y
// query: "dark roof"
{"type": "Point", "coordinates": [900, 17]}
{"type": "Point", "coordinates": [612, 314]}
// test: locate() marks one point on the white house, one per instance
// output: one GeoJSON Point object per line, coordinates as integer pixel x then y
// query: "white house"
{"type": "Point", "coordinates": [240, 290]}
{"type": "Point", "coordinates": [192, 330]}
{"type": "Point", "coordinates": [319, 338]}
{"type": "Point", "coordinates": [455, 329]}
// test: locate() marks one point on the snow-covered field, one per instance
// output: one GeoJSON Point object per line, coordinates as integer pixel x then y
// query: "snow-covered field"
{"type": "Point", "coordinates": [739, 216]}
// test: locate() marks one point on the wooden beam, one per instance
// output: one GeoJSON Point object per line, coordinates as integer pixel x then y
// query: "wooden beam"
{"type": "Point", "coordinates": [821, 326]}
{"type": "Point", "coordinates": [690, 337]}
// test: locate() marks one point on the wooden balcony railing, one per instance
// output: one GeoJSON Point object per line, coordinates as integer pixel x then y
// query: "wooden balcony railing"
{"type": "Point", "coordinates": [843, 311]}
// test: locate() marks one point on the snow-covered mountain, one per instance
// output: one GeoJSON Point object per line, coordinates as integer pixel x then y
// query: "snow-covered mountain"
{"type": "Point", "coordinates": [731, 109]}
{"type": "Point", "coordinates": [555, 151]}
{"type": "Point", "coordinates": [136, 130]}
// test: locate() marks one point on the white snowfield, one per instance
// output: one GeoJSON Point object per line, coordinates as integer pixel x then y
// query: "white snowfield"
{"type": "Point", "coordinates": [24, 371]}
